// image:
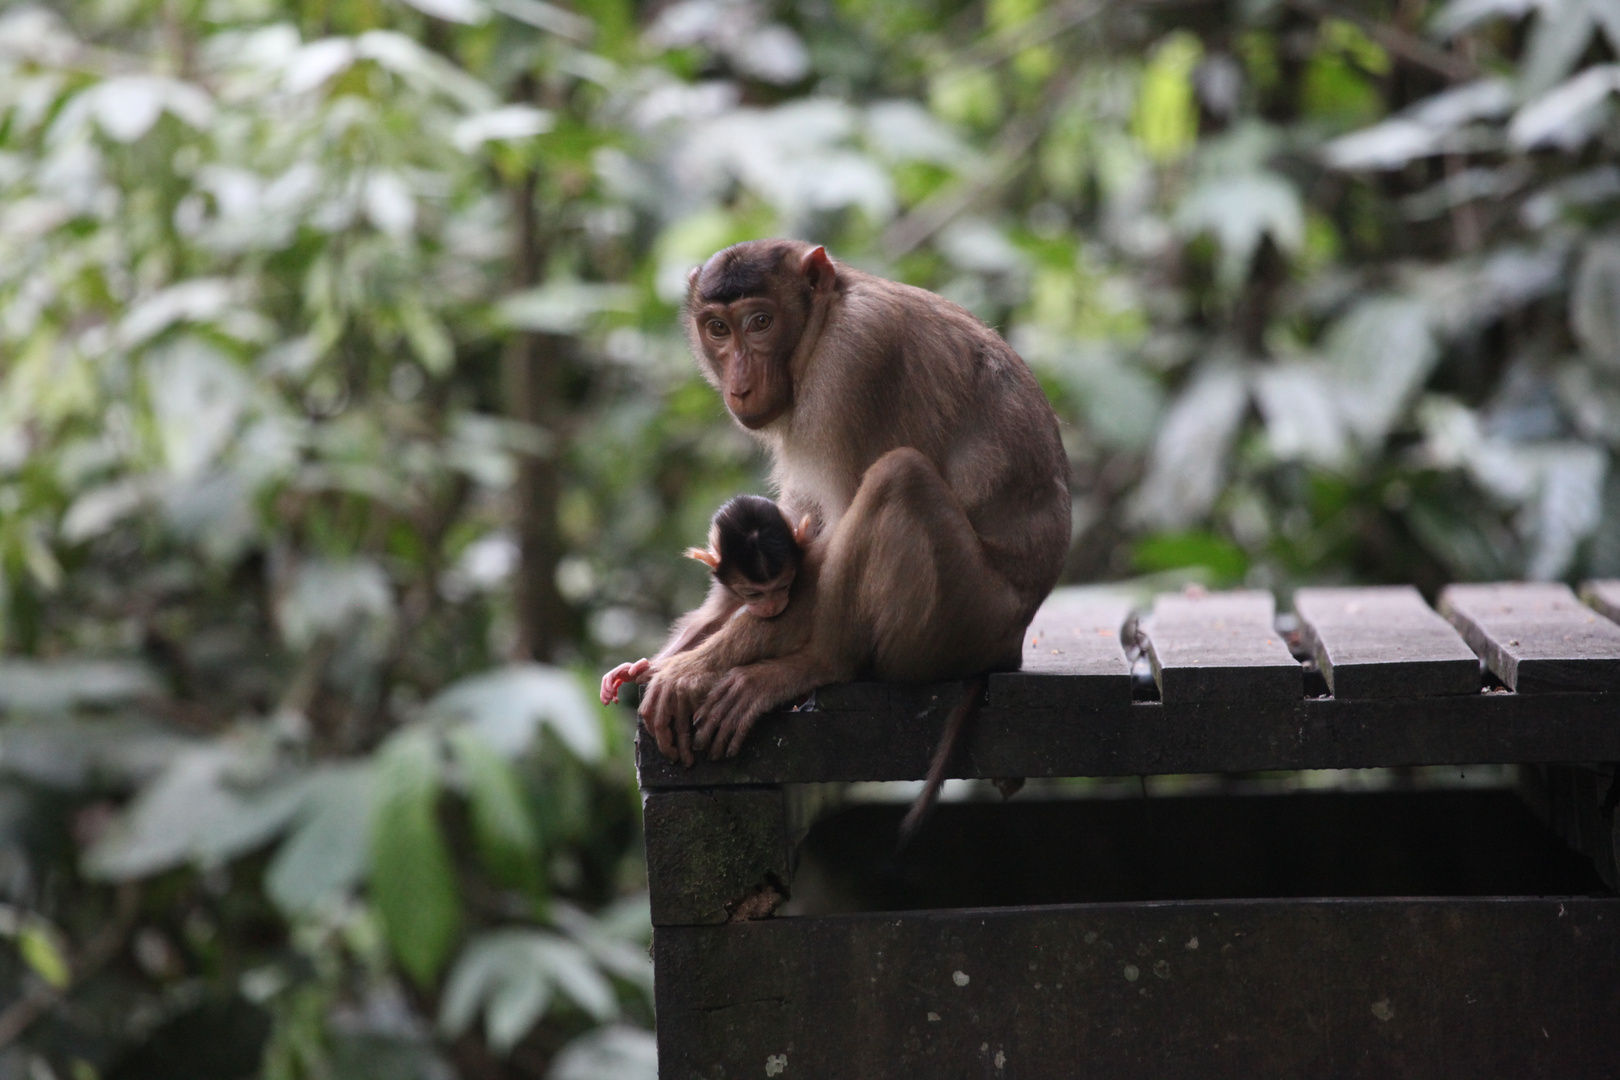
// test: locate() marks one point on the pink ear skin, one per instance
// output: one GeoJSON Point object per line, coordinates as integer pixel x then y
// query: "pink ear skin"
{"type": "Point", "coordinates": [802, 534]}
{"type": "Point", "coordinates": [818, 269]}
{"type": "Point", "coordinates": [691, 278]}
{"type": "Point", "coordinates": [704, 556]}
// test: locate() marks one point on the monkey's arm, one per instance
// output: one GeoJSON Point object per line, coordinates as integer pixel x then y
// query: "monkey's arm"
{"type": "Point", "coordinates": [680, 681]}
{"type": "Point", "coordinates": [696, 626]}
{"type": "Point", "coordinates": [689, 631]}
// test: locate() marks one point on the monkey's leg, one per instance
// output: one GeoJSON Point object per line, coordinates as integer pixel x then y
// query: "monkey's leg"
{"type": "Point", "coordinates": [905, 592]}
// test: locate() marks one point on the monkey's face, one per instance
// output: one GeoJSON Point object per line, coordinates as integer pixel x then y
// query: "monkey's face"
{"type": "Point", "coordinates": [764, 600]}
{"type": "Point", "coordinates": [747, 345]}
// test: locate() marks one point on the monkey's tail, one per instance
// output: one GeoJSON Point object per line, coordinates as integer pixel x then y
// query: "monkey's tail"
{"type": "Point", "coordinates": [972, 691]}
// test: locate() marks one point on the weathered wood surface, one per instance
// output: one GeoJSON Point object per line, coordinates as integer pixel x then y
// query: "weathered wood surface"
{"type": "Point", "coordinates": [1536, 637]}
{"type": "Point", "coordinates": [1516, 987]}
{"type": "Point", "coordinates": [1222, 646]}
{"type": "Point", "coordinates": [1072, 654]}
{"type": "Point", "coordinates": [1384, 643]}
{"type": "Point", "coordinates": [1603, 597]}
{"type": "Point", "coordinates": [1578, 803]}
{"type": "Point", "coordinates": [708, 851]}
{"type": "Point", "coordinates": [1150, 737]}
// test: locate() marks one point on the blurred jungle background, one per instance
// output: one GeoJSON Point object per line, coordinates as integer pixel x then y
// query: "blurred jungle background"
{"type": "Point", "coordinates": [347, 430]}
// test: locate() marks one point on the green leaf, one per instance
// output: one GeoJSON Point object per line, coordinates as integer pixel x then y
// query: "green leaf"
{"type": "Point", "coordinates": [1166, 121]}
{"type": "Point", "coordinates": [1175, 551]}
{"type": "Point", "coordinates": [508, 705]}
{"type": "Point", "coordinates": [430, 341]}
{"type": "Point", "coordinates": [513, 976]}
{"type": "Point", "coordinates": [508, 843]}
{"type": "Point", "coordinates": [1594, 305]}
{"type": "Point", "coordinates": [412, 880]}
{"type": "Point", "coordinates": [615, 1052]}
{"type": "Point", "coordinates": [41, 946]}
{"type": "Point", "coordinates": [326, 854]}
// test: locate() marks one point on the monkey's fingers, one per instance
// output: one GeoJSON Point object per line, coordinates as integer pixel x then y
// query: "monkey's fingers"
{"type": "Point", "coordinates": [615, 679]}
{"type": "Point", "coordinates": [657, 719]}
{"type": "Point", "coordinates": [722, 714]}
{"type": "Point", "coordinates": [641, 670]}
{"type": "Point", "coordinates": [683, 740]}
{"type": "Point", "coordinates": [703, 728]}
{"type": "Point", "coordinates": [740, 732]}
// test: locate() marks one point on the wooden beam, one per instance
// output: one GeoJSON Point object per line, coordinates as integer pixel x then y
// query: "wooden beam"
{"type": "Point", "coordinates": [711, 852]}
{"type": "Point", "coordinates": [1493, 987]}
{"type": "Point", "coordinates": [1149, 737]}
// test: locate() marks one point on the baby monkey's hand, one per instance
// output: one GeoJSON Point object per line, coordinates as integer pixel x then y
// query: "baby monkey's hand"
{"type": "Point", "coordinates": [635, 671]}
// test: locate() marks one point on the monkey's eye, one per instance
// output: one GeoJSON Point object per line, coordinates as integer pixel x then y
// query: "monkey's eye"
{"type": "Point", "coordinates": [717, 328]}
{"type": "Point", "coordinates": [759, 322]}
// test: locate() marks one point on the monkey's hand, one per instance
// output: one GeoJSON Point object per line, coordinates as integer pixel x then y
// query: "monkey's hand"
{"type": "Point", "coordinates": [741, 697]}
{"type": "Point", "coordinates": [635, 671]}
{"type": "Point", "coordinates": [677, 685]}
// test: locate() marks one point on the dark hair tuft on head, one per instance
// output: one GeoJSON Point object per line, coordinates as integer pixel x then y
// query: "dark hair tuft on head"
{"type": "Point", "coordinates": [754, 539]}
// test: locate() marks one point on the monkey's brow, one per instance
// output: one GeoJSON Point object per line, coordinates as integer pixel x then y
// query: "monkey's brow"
{"type": "Point", "coordinates": [737, 279]}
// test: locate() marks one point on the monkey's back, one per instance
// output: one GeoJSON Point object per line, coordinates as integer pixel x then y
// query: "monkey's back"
{"type": "Point", "coordinates": [913, 369]}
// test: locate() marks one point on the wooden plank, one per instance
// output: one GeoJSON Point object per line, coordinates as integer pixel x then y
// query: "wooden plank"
{"type": "Point", "coordinates": [1536, 636]}
{"type": "Point", "coordinates": [1384, 643]}
{"type": "Point", "coordinates": [1150, 738]}
{"type": "Point", "coordinates": [1072, 652]}
{"type": "Point", "coordinates": [1220, 646]}
{"type": "Point", "coordinates": [1604, 597]}
{"type": "Point", "coordinates": [1578, 803]}
{"type": "Point", "coordinates": [709, 853]}
{"type": "Point", "coordinates": [1414, 988]}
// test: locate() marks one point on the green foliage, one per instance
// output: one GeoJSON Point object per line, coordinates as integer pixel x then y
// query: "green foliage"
{"type": "Point", "coordinates": [343, 399]}
{"type": "Point", "coordinates": [411, 879]}
{"type": "Point", "coordinates": [1222, 560]}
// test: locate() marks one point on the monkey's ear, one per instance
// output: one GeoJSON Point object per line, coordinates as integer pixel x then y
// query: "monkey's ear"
{"type": "Point", "coordinates": [817, 268]}
{"type": "Point", "coordinates": [801, 535]}
{"type": "Point", "coordinates": [691, 278]}
{"type": "Point", "coordinates": [704, 556]}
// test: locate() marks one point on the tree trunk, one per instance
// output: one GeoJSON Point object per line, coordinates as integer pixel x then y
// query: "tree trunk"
{"type": "Point", "coordinates": [531, 373]}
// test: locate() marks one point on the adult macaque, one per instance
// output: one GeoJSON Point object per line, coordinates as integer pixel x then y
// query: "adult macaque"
{"type": "Point", "coordinates": [922, 448]}
{"type": "Point", "coordinates": [755, 557]}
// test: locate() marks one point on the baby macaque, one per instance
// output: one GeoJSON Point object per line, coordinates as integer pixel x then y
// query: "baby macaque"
{"type": "Point", "coordinates": [754, 556]}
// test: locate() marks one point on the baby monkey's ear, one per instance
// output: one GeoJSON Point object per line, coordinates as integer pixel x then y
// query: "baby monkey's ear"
{"type": "Point", "coordinates": [704, 556]}
{"type": "Point", "coordinates": [804, 532]}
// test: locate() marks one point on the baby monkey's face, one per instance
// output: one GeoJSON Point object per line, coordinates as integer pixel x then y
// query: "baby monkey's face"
{"type": "Point", "coordinates": [763, 599]}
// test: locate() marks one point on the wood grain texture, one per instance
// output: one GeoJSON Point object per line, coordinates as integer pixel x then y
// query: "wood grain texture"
{"type": "Point", "coordinates": [709, 850]}
{"type": "Point", "coordinates": [1603, 597]}
{"type": "Point", "coordinates": [1072, 652]}
{"type": "Point", "coordinates": [1415, 988]}
{"type": "Point", "coordinates": [1384, 643]}
{"type": "Point", "coordinates": [1155, 738]}
{"type": "Point", "coordinates": [1536, 637]}
{"type": "Point", "coordinates": [1222, 646]}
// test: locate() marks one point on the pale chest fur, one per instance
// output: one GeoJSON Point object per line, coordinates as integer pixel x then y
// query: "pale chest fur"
{"type": "Point", "coordinates": [809, 480]}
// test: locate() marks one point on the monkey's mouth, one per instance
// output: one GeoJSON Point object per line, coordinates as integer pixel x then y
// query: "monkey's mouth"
{"type": "Point", "coordinates": [769, 608]}
{"type": "Point", "coordinates": [755, 420]}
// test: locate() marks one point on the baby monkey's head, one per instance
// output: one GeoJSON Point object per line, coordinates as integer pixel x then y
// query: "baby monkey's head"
{"type": "Point", "coordinates": [755, 553]}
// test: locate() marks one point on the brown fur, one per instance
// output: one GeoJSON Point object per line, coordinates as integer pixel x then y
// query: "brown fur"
{"type": "Point", "coordinates": [924, 450]}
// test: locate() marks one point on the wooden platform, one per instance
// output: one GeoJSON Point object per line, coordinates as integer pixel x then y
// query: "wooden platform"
{"type": "Point", "coordinates": [1521, 985]}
